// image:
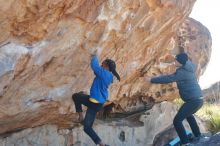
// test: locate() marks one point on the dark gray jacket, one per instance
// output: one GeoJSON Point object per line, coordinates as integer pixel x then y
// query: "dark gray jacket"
{"type": "Point", "coordinates": [186, 80]}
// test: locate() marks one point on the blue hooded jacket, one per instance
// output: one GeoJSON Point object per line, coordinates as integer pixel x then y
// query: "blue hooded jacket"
{"type": "Point", "coordinates": [103, 79]}
{"type": "Point", "coordinates": [186, 80]}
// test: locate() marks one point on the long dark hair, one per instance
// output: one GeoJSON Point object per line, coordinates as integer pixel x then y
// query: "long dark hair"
{"type": "Point", "coordinates": [112, 67]}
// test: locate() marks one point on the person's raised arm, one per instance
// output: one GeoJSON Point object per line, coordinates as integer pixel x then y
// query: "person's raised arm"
{"type": "Point", "coordinates": [95, 64]}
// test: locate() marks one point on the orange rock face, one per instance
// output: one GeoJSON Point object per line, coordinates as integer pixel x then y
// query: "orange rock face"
{"type": "Point", "coordinates": [45, 54]}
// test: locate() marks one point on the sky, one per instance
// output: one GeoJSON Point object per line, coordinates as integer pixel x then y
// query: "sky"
{"type": "Point", "coordinates": [208, 13]}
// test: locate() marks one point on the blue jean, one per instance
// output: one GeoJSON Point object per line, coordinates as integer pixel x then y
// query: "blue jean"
{"type": "Point", "coordinates": [93, 108]}
{"type": "Point", "coordinates": [186, 111]}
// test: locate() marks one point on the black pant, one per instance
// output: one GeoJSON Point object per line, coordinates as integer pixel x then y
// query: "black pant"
{"type": "Point", "coordinates": [93, 108]}
{"type": "Point", "coordinates": [186, 112]}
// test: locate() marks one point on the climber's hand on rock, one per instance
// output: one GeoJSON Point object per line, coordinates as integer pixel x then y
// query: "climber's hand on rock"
{"type": "Point", "coordinates": [147, 79]}
{"type": "Point", "coordinates": [94, 53]}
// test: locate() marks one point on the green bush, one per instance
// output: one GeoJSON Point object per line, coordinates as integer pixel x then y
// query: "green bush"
{"type": "Point", "coordinates": [210, 114]}
{"type": "Point", "coordinates": [178, 101]}
{"type": "Point", "coordinates": [214, 123]}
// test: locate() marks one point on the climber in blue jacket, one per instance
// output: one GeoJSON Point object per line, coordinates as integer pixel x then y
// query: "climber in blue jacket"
{"type": "Point", "coordinates": [189, 91]}
{"type": "Point", "coordinates": [98, 95]}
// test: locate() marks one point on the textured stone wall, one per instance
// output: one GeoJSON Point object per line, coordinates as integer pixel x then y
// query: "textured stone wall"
{"type": "Point", "coordinates": [212, 94]}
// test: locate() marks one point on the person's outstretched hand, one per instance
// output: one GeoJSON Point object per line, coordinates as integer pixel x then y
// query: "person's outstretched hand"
{"type": "Point", "coordinates": [147, 79]}
{"type": "Point", "coordinates": [94, 53]}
